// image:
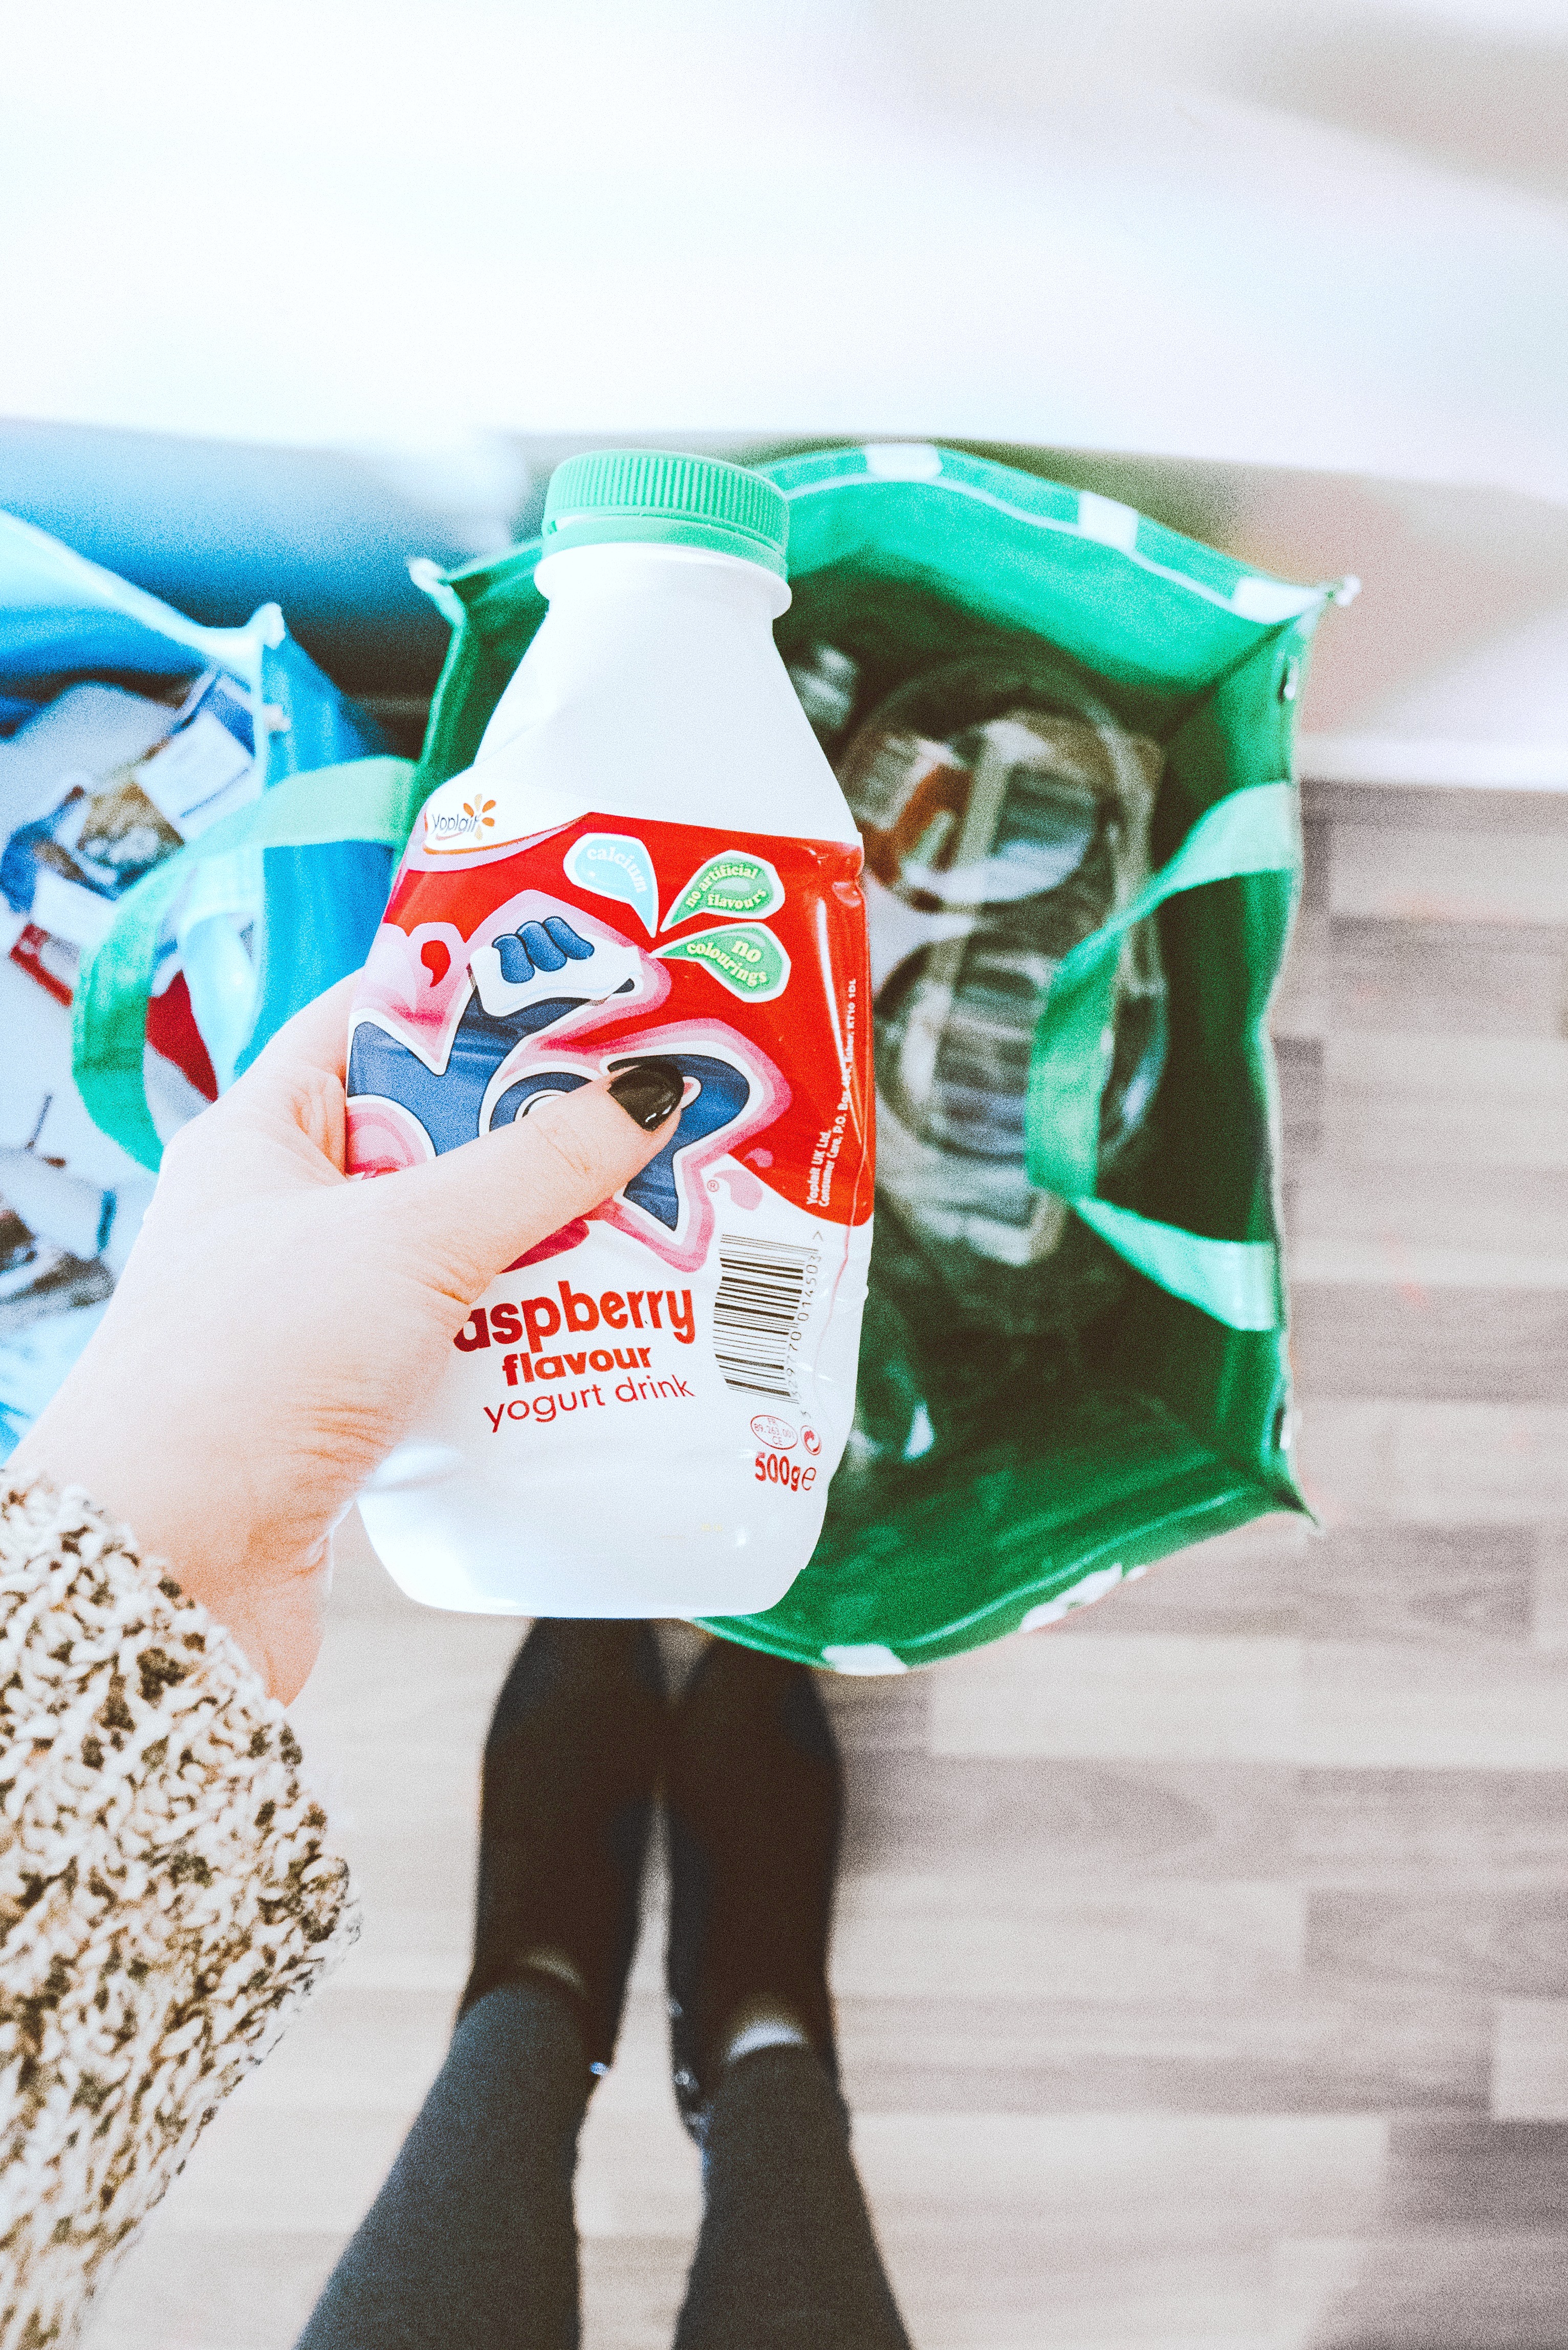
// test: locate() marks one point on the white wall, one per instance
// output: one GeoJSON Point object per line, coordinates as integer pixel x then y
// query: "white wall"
{"type": "Point", "coordinates": [1233, 229]}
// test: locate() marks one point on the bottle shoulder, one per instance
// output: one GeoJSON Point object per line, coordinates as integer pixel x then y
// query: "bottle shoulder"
{"type": "Point", "coordinates": [538, 781]}
{"type": "Point", "coordinates": [692, 725]}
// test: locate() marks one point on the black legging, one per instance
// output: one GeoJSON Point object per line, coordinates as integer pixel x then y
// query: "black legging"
{"type": "Point", "coordinates": [472, 2243]}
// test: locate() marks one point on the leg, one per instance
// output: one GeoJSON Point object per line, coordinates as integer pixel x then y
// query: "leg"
{"type": "Point", "coordinates": [787, 2257]}
{"type": "Point", "coordinates": [470, 2244]}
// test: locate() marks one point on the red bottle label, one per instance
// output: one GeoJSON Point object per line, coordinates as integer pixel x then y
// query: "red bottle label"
{"type": "Point", "coordinates": [741, 956]}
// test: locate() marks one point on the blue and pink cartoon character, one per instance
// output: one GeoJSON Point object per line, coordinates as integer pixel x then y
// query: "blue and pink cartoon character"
{"type": "Point", "coordinates": [453, 1038]}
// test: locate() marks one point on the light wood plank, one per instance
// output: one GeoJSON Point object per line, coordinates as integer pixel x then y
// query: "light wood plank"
{"type": "Point", "coordinates": [1453, 2288]}
{"type": "Point", "coordinates": [1530, 2067]}
{"type": "Point", "coordinates": [1094, 1824]}
{"type": "Point", "coordinates": [1450, 877]}
{"type": "Point", "coordinates": [1548, 1614]}
{"type": "Point", "coordinates": [1469, 1941]}
{"type": "Point", "coordinates": [1407, 1827]}
{"type": "Point", "coordinates": [1298, 1061]}
{"type": "Point", "coordinates": [185, 2288]}
{"type": "Point", "coordinates": [1476, 2176]}
{"type": "Point", "coordinates": [911, 1938]}
{"type": "Point", "coordinates": [1374, 1705]}
{"type": "Point", "coordinates": [1411, 1340]}
{"type": "Point", "coordinates": [1448, 1585]}
{"type": "Point", "coordinates": [1444, 977]}
{"type": "Point", "coordinates": [1160, 1697]}
{"type": "Point", "coordinates": [1453, 1464]}
{"type": "Point", "coordinates": [289, 2173]}
{"type": "Point", "coordinates": [1370, 1705]}
{"type": "Point", "coordinates": [1159, 2297]}
{"type": "Point", "coordinates": [1281, 2044]}
{"type": "Point", "coordinates": [1131, 2179]}
{"type": "Point", "coordinates": [1485, 1227]}
{"type": "Point", "coordinates": [1419, 1272]}
{"type": "Point", "coordinates": [1412, 1100]}
{"type": "Point", "coordinates": [633, 2288]}
{"type": "Point", "coordinates": [1404, 809]}
{"type": "Point", "coordinates": [1154, 2297]}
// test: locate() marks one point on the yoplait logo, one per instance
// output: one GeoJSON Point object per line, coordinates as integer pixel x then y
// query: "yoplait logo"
{"type": "Point", "coordinates": [475, 818]}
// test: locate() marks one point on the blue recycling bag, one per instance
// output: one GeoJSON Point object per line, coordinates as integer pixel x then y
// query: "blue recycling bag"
{"type": "Point", "coordinates": [264, 924]}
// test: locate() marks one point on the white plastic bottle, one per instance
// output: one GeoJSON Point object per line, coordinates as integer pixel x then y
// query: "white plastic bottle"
{"type": "Point", "coordinates": [649, 856]}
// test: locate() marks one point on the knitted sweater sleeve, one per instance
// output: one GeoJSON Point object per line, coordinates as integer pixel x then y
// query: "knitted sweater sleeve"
{"type": "Point", "coordinates": [166, 1897]}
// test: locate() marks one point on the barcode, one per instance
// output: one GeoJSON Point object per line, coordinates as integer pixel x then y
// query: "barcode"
{"type": "Point", "coordinates": [765, 1294]}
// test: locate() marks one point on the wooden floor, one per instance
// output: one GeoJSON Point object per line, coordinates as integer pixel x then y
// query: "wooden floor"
{"type": "Point", "coordinates": [1203, 1963]}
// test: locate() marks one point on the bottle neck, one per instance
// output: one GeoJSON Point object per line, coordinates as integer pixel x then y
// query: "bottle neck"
{"type": "Point", "coordinates": [655, 688]}
{"type": "Point", "coordinates": [633, 571]}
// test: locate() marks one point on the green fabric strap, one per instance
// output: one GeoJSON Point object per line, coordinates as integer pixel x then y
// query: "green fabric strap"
{"type": "Point", "coordinates": [366, 799]}
{"type": "Point", "coordinates": [1238, 1281]}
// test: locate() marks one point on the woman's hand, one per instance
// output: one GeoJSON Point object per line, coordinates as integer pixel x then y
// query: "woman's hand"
{"type": "Point", "coordinates": [278, 1326]}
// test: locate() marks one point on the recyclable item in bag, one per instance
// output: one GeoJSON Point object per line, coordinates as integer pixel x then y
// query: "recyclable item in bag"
{"type": "Point", "coordinates": [648, 858]}
{"type": "Point", "coordinates": [1001, 828]}
{"type": "Point", "coordinates": [118, 780]}
{"type": "Point", "coordinates": [73, 1202]}
{"type": "Point", "coordinates": [75, 829]}
{"type": "Point", "coordinates": [826, 683]}
{"type": "Point", "coordinates": [51, 1294]}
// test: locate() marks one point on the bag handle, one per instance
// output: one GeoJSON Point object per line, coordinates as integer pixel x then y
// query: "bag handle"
{"type": "Point", "coordinates": [1238, 1281]}
{"type": "Point", "coordinates": [364, 799]}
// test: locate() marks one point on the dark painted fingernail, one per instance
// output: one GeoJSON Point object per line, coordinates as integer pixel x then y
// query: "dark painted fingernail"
{"type": "Point", "coordinates": [647, 1090]}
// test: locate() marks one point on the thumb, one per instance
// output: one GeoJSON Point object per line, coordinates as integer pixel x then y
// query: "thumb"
{"type": "Point", "coordinates": [473, 1211]}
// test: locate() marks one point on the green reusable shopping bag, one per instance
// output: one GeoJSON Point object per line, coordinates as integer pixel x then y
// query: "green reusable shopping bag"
{"type": "Point", "coordinates": [1171, 1420]}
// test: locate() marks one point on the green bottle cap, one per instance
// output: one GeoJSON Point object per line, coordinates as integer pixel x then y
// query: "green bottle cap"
{"type": "Point", "coordinates": [648, 494]}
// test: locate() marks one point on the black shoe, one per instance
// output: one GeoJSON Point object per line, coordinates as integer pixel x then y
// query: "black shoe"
{"type": "Point", "coordinates": [575, 1751]}
{"type": "Point", "coordinates": [754, 1794]}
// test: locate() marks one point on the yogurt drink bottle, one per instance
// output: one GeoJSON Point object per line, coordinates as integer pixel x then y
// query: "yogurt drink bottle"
{"type": "Point", "coordinates": [650, 857]}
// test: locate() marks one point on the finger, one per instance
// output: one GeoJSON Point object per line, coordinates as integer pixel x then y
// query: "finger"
{"type": "Point", "coordinates": [473, 1211]}
{"type": "Point", "coordinates": [316, 1039]}
{"type": "Point", "coordinates": [294, 1091]}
